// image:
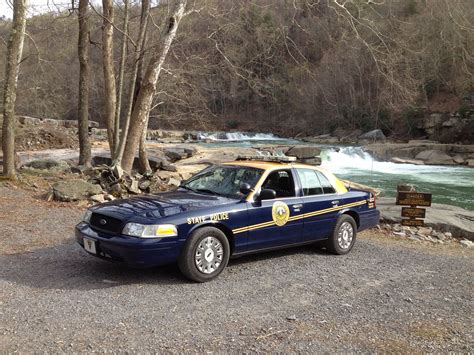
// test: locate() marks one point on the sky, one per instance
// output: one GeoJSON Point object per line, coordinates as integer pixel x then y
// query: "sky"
{"type": "Point", "coordinates": [34, 6]}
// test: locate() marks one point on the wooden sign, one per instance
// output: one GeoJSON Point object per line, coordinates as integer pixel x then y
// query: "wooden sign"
{"type": "Point", "coordinates": [413, 198]}
{"type": "Point", "coordinates": [413, 222]}
{"type": "Point", "coordinates": [413, 212]}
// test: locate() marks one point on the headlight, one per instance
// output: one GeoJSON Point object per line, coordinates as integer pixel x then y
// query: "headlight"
{"type": "Point", "coordinates": [87, 216]}
{"type": "Point", "coordinates": [150, 230]}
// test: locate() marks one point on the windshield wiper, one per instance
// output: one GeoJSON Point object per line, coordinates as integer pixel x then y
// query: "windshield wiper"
{"type": "Point", "coordinates": [187, 188]}
{"type": "Point", "coordinates": [208, 192]}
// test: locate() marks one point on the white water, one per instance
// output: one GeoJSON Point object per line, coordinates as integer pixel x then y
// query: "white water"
{"type": "Point", "coordinates": [449, 184]}
{"type": "Point", "coordinates": [236, 136]}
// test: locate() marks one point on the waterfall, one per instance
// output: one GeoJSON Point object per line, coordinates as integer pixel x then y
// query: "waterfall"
{"type": "Point", "coordinates": [236, 136]}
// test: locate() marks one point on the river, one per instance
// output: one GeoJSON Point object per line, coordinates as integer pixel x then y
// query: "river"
{"type": "Point", "coordinates": [448, 184]}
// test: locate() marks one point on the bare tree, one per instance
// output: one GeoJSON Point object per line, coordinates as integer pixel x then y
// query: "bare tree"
{"type": "Point", "coordinates": [138, 58]}
{"type": "Point", "coordinates": [84, 74]}
{"type": "Point", "coordinates": [109, 73]}
{"type": "Point", "coordinates": [142, 106]}
{"type": "Point", "coordinates": [15, 49]}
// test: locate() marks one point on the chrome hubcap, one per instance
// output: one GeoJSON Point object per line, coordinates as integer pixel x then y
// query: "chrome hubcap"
{"type": "Point", "coordinates": [345, 235]}
{"type": "Point", "coordinates": [209, 255]}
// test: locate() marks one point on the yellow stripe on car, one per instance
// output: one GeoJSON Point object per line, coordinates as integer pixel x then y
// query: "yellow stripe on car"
{"type": "Point", "coordinates": [297, 217]}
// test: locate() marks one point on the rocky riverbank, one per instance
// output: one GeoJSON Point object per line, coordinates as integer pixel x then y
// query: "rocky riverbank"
{"type": "Point", "coordinates": [423, 152]}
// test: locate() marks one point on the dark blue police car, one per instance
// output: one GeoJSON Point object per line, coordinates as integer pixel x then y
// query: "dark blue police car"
{"type": "Point", "coordinates": [229, 210]}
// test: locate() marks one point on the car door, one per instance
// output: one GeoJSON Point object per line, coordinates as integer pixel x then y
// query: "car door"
{"type": "Point", "coordinates": [272, 223]}
{"type": "Point", "coordinates": [319, 199]}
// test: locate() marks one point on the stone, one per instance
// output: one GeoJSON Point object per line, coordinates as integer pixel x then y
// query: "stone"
{"type": "Point", "coordinates": [98, 198]}
{"type": "Point", "coordinates": [47, 164]}
{"type": "Point", "coordinates": [400, 234]}
{"type": "Point", "coordinates": [448, 235]}
{"type": "Point", "coordinates": [376, 134]}
{"type": "Point", "coordinates": [116, 189]}
{"type": "Point", "coordinates": [425, 230]}
{"type": "Point", "coordinates": [174, 182]}
{"type": "Point", "coordinates": [439, 236]}
{"type": "Point", "coordinates": [175, 154]}
{"type": "Point", "coordinates": [470, 162]}
{"type": "Point", "coordinates": [459, 159]}
{"type": "Point", "coordinates": [397, 228]}
{"type": "Point", "coordinates": [134, 187]}
{"type": "Point", "coordinates": [109, 197]}
{"type": "Point", "coordinates": [435, 157]}
{"type": "Point", "coordinates": [406, 161]}
{"type": "Point", "coordinates": [144, 185]}
{"type": "Point", "coordinates": [313, 161]}
{"type": "Point", "coordinates": [304, 152]}
{"type": "Point", "coordinates": [466, 243]}
{"type": "Point", "coordinates": [74, 190]}
{"type": "Point", "coordinates": [169, 167]}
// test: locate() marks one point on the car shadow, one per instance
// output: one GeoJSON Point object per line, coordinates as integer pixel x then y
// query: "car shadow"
{"type": "Point", "coordinates": [69, 267]}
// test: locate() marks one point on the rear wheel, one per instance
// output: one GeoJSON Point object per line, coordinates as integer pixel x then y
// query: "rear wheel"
{"type": "Point", "coordinates": [344, 235]}
{"type": "Point", "coordinates": [205, 254]}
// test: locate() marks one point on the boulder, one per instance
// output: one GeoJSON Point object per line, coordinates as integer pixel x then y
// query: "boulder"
{"type": "Point", "coordinates": [175, 154]}
{"type": "Point", "coordinates": [376, 134]}
{"type": "Point", "coordinates": [435, 157]}
{"type": "Point", "coordinates": [406, 161]}
{"type": "Point", "coordinates": [312, 161]}
{"type": "Point", "coordinates": [74, 190]}
{"type": "Point", "coordinates": [47, 164]}
{"type": "Point", "coordinates": [470, 162]}
{"type": "Point", "coordinates": [459, 159]}
{"type": "Point", "coordinates": [304, 152]}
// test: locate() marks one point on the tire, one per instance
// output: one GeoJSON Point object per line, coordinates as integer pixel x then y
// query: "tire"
{"type": "Point", "coordinates": [343, 237]}
{"type": "Point", "coordinates": [205, 254]}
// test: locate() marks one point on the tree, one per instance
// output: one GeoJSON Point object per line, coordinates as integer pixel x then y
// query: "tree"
{"type": "Point", "coordinates": [15, 49]}
{"type": "Point", "coordinates": [109, 73]}
{"type": "Point", "coordinates": [84, 74]}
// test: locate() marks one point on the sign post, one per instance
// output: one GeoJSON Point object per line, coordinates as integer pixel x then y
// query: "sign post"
{"type": "Point", "coordinates": [413, 199]}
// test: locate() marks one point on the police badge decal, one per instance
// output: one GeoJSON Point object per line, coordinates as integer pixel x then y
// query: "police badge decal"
{"type": "Point", "coordinates": [280, 213]}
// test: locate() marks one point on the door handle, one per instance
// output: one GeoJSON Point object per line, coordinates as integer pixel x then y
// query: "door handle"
{"type": "Point", "coordinates": [298, 206]}
{"type": "Point", "coordinates": [335, 202]}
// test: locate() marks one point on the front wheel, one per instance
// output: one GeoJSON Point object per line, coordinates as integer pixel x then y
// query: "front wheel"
{"type": "Point", "coordinates": [205, 254]}
{"type": "Point", "coordinates": [344, 235]}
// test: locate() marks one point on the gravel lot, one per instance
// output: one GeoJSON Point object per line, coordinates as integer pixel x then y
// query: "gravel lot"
{"type": "Point", "coordinates": [386, 295]}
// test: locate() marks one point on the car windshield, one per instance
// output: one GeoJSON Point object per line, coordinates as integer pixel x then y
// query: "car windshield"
{"type": "Point", "coordinates": [223, 180]}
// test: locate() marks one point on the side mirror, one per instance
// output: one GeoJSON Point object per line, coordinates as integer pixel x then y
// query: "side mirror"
{"type": "Point", "coordinates": [245, 189]}
{"type": "Point", "coordinates": [267, 194]}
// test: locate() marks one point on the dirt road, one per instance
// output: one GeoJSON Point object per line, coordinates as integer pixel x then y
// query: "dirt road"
{"type": "Point", "coordinates": [385, 295]}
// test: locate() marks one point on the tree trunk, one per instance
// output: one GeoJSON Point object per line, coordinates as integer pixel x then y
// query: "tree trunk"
{"type": "Point", "coordinates": [84, 74]}
{"type": "Point", "coordinates": [142, 152]}
{"type": "Point", "coordinates": [109, 73]}
{"type": "Point", "coordinates": [131, 99]}
{"type": "Point", "coordinates": [118, 138]}
{"type": "Point", "coordinates": [15, 49]}
{"type": "Point", "coordinates": [142, 106]}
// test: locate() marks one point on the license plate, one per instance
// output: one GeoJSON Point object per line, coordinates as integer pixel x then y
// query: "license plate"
{"type": "Point", "coordinates": [89, 245]}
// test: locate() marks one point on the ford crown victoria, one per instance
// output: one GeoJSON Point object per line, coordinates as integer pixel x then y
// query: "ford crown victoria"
{"type": "Point", "coordinates": [229, 210]}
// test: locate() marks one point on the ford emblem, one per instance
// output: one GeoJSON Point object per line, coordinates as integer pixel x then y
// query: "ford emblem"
{"type": "Point", "coordinates": [103, 222]}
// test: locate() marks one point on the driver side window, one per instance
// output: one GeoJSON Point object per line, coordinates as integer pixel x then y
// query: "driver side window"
{"type": "Point", "coordinates": [282, 182]}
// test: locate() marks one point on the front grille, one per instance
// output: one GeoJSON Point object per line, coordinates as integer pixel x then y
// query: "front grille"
{"type": "Point", "coordinates": [105, 223]}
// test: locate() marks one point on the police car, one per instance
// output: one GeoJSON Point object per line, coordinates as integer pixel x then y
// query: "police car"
{"type": "Point", "coordinates": [228, 210]}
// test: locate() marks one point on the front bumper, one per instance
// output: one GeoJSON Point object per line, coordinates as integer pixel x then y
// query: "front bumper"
{"type": "Point", "coordinates": [135, 252]}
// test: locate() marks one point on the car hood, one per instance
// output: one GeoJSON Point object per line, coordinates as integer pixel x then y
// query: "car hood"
{"type": "Point", "coordinates": [160, 205]}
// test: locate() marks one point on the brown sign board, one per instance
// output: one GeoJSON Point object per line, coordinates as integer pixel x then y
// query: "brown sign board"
{"type": "Point", "coordinates": [413, 222]}
{"type": "Point", "coordinates": [413, 198]}
{"type": "Point", "coordinates": [413, 212]}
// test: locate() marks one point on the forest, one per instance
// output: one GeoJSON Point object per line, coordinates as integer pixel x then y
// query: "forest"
{"type": "Point", "coordinates": [290, 67]}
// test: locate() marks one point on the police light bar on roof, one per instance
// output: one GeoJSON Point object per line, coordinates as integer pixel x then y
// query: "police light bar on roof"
{"type": "Point", "coordinates": [272, 158]}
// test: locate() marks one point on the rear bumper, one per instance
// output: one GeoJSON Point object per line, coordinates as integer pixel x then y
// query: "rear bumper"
{"type": "Point", "coordinates": [368, 219]}
{"type": "Point", "coordinates": [135, 252]}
